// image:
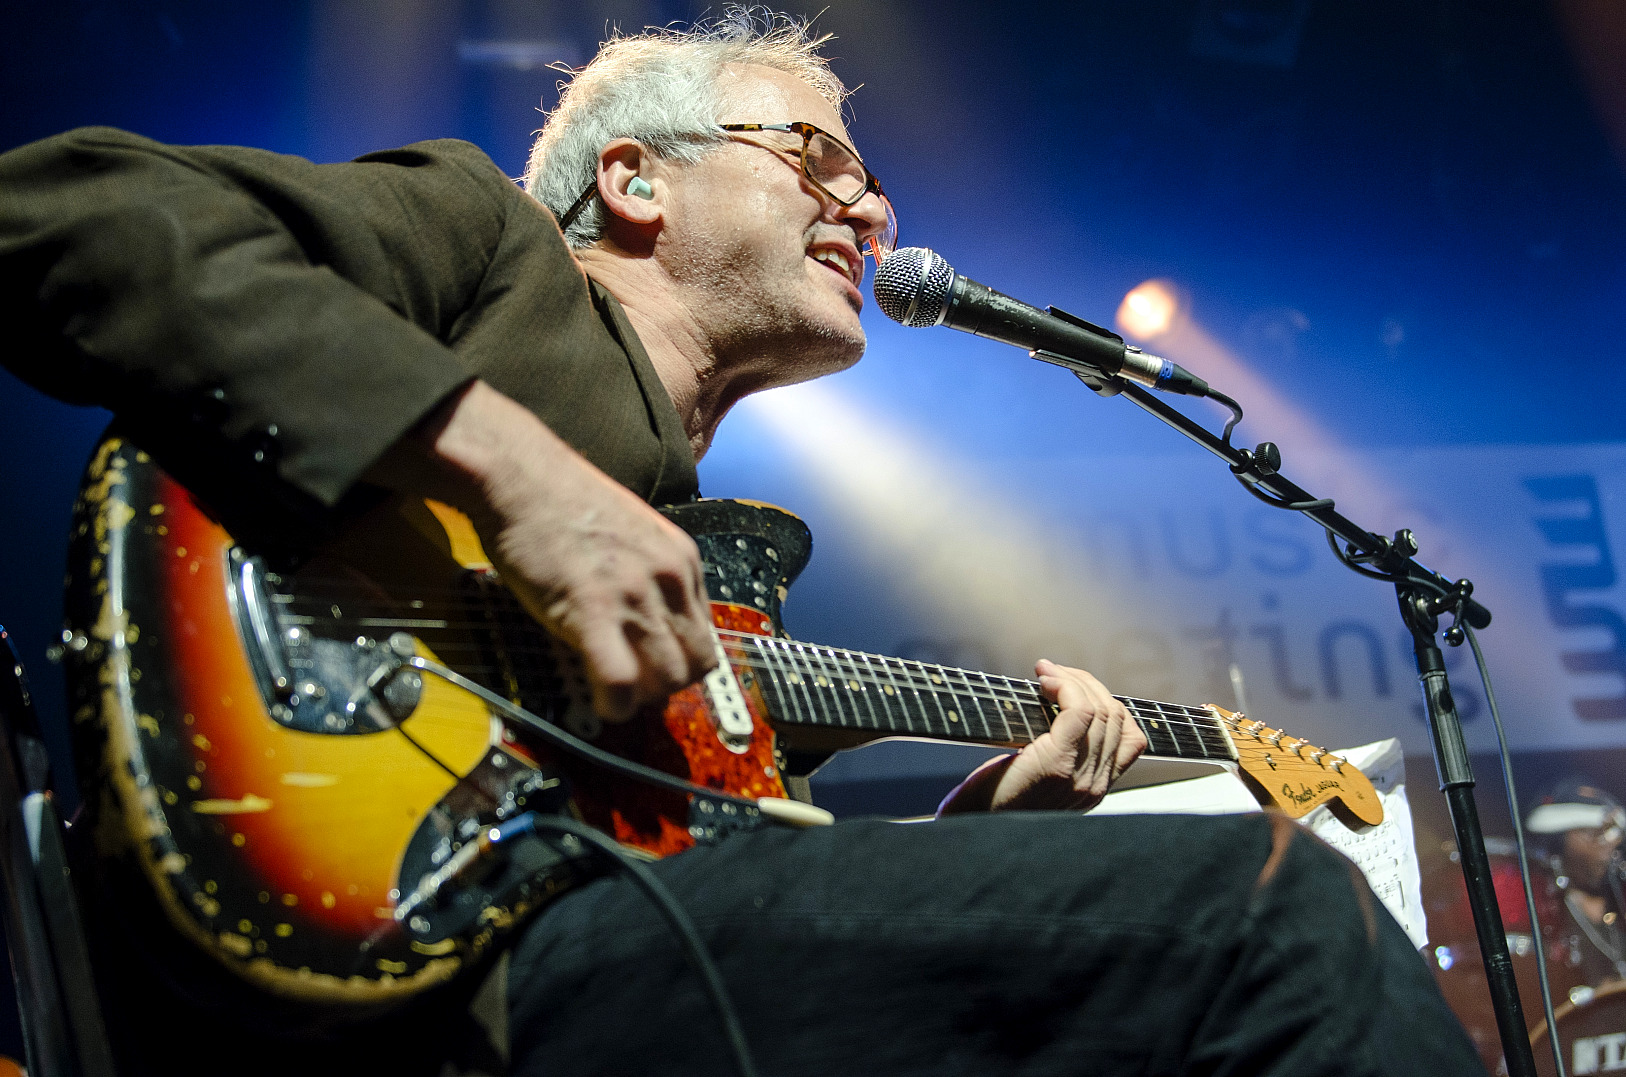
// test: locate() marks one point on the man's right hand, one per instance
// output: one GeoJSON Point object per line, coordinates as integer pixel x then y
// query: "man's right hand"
{"type": "Point", "coordinates": [595, 565]}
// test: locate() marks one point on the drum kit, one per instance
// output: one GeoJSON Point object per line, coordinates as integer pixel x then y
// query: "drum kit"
{"type": "Point", "coordinates": [1588, 990]}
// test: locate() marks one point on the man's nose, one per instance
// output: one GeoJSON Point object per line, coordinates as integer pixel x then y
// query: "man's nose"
{"type": "Point", "coordinates": [867, 216]}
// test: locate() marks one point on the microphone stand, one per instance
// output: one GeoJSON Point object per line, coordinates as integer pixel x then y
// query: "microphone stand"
{"type": "Point", "coordinates": [1423, 596]}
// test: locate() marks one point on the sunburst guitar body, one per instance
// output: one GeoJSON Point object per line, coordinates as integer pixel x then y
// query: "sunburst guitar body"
{"type": "Point", "coordinates": [276, 798]}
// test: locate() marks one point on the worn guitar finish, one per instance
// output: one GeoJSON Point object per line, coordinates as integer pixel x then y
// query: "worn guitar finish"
{"type": "Point", "coordinates": [278, 781]}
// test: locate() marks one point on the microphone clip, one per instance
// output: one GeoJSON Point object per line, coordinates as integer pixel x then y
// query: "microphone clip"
{"type": "Point", "coordinates": [1098, 381]}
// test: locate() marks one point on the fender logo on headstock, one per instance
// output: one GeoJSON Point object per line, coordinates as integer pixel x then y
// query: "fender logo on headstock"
{"type": "Point", "coordinates": [1306, 795]}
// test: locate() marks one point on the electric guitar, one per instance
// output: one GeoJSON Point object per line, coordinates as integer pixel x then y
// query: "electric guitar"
{"type": "Point", "coordinates": [315, 813]}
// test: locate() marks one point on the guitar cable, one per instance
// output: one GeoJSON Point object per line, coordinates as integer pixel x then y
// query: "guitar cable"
{"type": "Point", "coordinates": [682, 926]}
{"type": "Point", "coordinates": [679, 921]}
{"type": "Point", "coordinates": [1524, 862]}
{"type": "Point", "coordinates": [563, 740]}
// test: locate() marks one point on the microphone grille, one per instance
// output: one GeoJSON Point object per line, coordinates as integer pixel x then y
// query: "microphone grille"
{"type": "Point", "coordinates": [912, 286]}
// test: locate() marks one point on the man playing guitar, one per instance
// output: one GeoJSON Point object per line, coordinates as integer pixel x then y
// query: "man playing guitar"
{"type": "Point", "coordinates": [287, 338]}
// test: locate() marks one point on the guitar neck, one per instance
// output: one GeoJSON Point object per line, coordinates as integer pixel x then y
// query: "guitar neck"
{"type": "Point", "coordinates": [806, 684]}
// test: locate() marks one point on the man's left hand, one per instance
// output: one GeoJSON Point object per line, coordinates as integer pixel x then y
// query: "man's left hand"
{"type": "Point", "coordinates": [1091, 741]}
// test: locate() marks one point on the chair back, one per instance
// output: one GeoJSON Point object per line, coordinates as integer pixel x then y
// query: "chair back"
{"type": "Point", "coordinates": [63, 1032]}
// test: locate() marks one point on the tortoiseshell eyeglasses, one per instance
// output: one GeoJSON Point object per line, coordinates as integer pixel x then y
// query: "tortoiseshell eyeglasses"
{"type": "Point", "coordinates": [829, 165]}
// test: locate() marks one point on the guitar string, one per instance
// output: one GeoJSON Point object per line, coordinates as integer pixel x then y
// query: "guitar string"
{"type": "Point", "coordinates": [1018, 696]}
{"type": "Point", "coordinates": [525, 650]}
{"type": "Point", "coordinates": [1165, 744]}
{"type": "Point", "coordinates": [1200, 722]}
{"type": "Point", "coordinates": [1023, 694]}
{"type": "Point", "coordinates": [919, 676]}
{"type": "Point", "coordinates": [807, 699]}
{"type": "Point", "coordinates": [920, 668]}
{"type": "Point", "coordinates": [804, 696]}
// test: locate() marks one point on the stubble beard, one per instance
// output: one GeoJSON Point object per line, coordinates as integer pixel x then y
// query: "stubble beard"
{"type": "Point", "coordinates": [767, 328]}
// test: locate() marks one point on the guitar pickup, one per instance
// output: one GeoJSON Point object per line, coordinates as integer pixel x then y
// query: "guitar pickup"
{"type": "Point", "coordinates": [310, 682]}
{"type": "Point", "coordinates": [727, 703]}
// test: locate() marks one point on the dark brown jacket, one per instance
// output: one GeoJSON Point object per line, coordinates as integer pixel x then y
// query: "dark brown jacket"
{"type": "Point", "coordinates": [267, 326]}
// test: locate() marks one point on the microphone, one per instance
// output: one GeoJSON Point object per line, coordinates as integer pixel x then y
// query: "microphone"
{"type": "Point", "coordinates": [917, 287]}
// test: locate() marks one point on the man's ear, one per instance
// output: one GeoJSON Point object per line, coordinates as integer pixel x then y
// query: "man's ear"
{"type": "Point", "coordinates": [641, 205]}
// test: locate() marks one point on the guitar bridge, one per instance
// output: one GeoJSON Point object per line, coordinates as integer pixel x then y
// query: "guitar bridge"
{"type": "Point", "coordinates": [309, 681]}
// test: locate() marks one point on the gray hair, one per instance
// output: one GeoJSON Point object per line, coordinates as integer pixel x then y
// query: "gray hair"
{"type": "Point", "coordinates": [660, 87]}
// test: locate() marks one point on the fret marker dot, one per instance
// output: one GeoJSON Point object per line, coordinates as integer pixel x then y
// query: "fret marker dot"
{"type": "Point", "coordinates": [822, 681]}
{"type": "Point", "coordinates": [887, 688]}
{"type": "Point", "coordinates": [936, 679]}
{"type": "Point", "coordinates": [1009, 705]}
{"type": "Point", "coordinates": [953, 717]}
{"type": "Point", "coordinates": [852, 685]}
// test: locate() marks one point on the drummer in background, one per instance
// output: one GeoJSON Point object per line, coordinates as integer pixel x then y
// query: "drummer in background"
{"type": "Point", "coordinates": [1581, 827]}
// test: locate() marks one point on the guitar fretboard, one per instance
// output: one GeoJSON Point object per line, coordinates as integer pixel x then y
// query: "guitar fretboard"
{"type": "Point", "coordinates": [806, 684]}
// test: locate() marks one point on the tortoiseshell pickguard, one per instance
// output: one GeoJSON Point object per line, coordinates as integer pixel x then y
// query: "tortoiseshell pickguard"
{"type": "Point", "coordinates": [682, 740]}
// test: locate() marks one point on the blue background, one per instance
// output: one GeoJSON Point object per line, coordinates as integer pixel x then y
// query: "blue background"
{"type": "Point", "coordinates": [1406, 216]}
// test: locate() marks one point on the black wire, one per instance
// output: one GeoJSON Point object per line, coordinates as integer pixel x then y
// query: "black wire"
{"type": "Point", "coordinates": [431, 756]}
{"type": "Point", "coordinates": [575, 745]}
{"type": "Point", "coordinates": [1353, 566]}
{"type": "Point", "coordinates": [1518, 835]}
{"type": "Point", "coordinates": [1278, 503]}
{"type": "Point", "coordinates": [1236, 411]}
{"type": "Point", "coordinates": [694, 949]}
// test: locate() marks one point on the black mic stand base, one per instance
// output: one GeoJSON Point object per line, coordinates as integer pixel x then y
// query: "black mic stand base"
{"type": "Point", "coordinates": [1457, 783]}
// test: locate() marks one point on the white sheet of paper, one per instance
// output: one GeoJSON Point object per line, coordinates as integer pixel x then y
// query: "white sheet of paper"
{"type": "Point", "coordinates": [1386, 853]}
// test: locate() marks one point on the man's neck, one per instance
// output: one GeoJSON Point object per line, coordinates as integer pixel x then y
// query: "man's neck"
{"type": "Point", "coordinates": [673, 339]}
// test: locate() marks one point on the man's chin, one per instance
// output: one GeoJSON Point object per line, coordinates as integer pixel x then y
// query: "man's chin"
{"type": "Point", "coordinates": [816, 352]}
{"type": "Point", "coordinates": [843, 324]}
{"type": "Point", "coordinates": [846, 348]}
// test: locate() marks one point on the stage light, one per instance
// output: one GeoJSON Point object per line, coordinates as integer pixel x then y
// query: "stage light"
{"type": "Point", "coordinates": [1159, 312]}
{"type": "Point", "coordinates": [1149, 310]}
{"type": "Point", "coordinates": [966, 553]}
{"type": "Point", "coordinates": [1366, 491]}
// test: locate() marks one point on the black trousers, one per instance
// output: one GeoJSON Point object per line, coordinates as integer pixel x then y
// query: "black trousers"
{"type": "Point", "coordinates": [1030, 944]}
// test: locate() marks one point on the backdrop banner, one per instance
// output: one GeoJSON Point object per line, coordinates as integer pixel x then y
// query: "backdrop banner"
{"type": "Point", "coordinates": [1160, 574]}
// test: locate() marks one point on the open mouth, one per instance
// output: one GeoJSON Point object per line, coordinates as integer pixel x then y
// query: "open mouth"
{"type": "Point", "coordinates": [838, 261]}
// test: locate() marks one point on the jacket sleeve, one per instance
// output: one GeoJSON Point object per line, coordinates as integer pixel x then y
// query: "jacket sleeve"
{"type": "Point", "coordinates": [246, 315]}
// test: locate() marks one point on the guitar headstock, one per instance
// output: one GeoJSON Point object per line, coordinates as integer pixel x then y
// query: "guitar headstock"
{"type": "Point", "coordinates": [1296, 776]}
